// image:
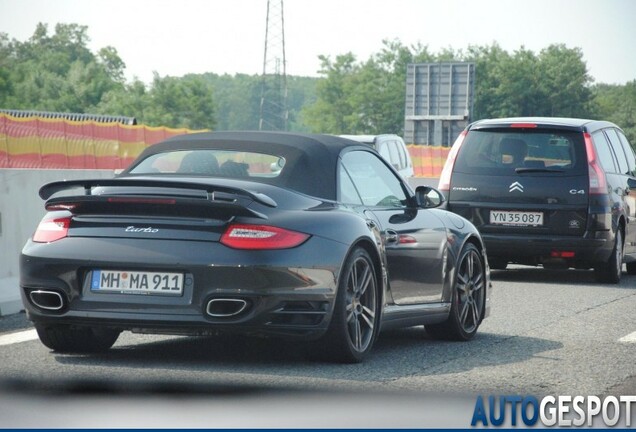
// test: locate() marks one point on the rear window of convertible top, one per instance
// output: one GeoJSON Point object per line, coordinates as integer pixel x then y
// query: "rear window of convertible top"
{"type": "Point", "coordinates": [212, 163]}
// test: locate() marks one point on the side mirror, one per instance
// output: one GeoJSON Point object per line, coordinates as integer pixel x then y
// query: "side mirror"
{"type": "Point", "coordinates": [428, 197]}
{"type": "Point", "coordinates": [631, 183]}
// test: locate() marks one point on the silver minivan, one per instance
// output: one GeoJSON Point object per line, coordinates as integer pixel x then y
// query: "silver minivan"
{"type": "Point", "coordinates": [391, 148]}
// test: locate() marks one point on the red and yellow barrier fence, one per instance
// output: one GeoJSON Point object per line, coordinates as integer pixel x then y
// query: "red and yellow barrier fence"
{"type": "Point", "coordinates": [36, 142]}
{"type": "Point", "coordinates": [428, 161]}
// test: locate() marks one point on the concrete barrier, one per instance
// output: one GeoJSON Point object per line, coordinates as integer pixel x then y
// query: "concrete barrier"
{"type": "Point", "coordinates": [20, 212]}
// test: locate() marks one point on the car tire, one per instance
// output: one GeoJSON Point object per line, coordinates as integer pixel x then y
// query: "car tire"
{"type": "Point", "coordinates": [610, 271]}
{"type": "Point", "coordinates": [468, 298]}
{"type": "Point", "coordinates": [67, 339]}
{"type": "Point", "coordinates": [631, 268]}
{"type": "Point", "coordinates": [355, 322]}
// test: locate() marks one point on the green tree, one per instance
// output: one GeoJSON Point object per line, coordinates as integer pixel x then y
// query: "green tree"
{"type": "Point", "coordinates": [57, 72]}
{"type": "Point", "coordinates": [553, 83]}
{"type": "Point", "coordinates": [177, 102]}
{"type": "Point", "coordinates": [617, 103]}
{"type": "Point", "coordinates": [113, 65]}
{"type": "Point", "coordinates": [380, 90]}
{"type": "Point", "coordinates": [564, 84]}
{"type": "Point", "coordinates": [519, 92]}
{"type": "Point", "coordinates": [130, 100]}
{"type": "Point", "coordinates": [7, 60]}
{"type": "Point", "coordinates": [334, 110]}
{"type": "Point", "coordinates": [488, 78]}
{"type": "Point", "coordinates": [363, 98]}
{"type": "Point", "coordinates": [181, 102]}
{"type": "Point", "coordinates": [301, 92]}
{"type": "Point", "coordinates": [237, 100]}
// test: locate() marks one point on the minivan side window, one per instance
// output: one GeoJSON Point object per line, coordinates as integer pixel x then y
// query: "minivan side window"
{"type": "Point", "coordinates": [604, 152]}
{"type": "Point", "coordinates": [384, 151]}
{"type": "Point", "coordinates": [629, 153]}
{"type": "Point", "coordinates": [395, 157]}
{"type": "Point", "coordinates": [618, 150]}
{"type": "Point", "coordinates": [401, 150]}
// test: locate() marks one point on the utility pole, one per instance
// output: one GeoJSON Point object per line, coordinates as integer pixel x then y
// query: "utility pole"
{"type": "Point", "coordinates": [273, 110]}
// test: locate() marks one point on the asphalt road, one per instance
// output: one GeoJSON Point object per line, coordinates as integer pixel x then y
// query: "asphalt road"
{"type": "Point", "coordinates": [549, 333]}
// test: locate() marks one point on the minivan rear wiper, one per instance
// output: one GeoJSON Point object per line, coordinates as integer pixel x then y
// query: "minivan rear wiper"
{"type": "Point", "coordinates": [538, 170]}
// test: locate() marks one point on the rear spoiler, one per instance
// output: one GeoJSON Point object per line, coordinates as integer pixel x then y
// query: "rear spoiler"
{"type": "Point", "coordinates": [51, 189]}
{"type": "Point", "coordinates": [235, 200]}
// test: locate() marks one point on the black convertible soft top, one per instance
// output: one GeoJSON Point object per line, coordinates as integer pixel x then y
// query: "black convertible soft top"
{"type": "Point", "coordinates": [311, 159]}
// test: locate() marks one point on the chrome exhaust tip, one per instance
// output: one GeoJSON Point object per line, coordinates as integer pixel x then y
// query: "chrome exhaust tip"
{"type": "Point", "coordinates": [48, 300]}
{"type": "Point", "coordinates": [225, 307]}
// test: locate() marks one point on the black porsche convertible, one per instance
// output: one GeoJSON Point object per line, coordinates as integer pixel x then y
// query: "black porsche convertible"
{"type": "Point", "coordinates": [257, 233]}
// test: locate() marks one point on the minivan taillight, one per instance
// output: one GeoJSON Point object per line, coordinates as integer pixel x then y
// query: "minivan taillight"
{"type": "Point", "coordinates": [52, 228]}
{"type": "Point", "coordinates": [598, 182]}
{"type": "Point", "coordinates": [261, 237]}
{"type": "Point", "coordinates": [445, 176]}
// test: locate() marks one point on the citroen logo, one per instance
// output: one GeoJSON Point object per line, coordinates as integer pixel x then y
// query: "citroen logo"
{"type": "Point", "coordinates": [516, 186]}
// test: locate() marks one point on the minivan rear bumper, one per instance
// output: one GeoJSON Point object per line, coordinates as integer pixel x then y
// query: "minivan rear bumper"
{"type": "Point", "coordinates": [525, 249]}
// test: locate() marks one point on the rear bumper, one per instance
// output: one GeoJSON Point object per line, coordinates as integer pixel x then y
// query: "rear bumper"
{"type": "Point", "coordinates": [536, 249]}
{"type": "Point", "coordinates": [287, 292]}
{"type": "Point", "coordinates": [281, 320]}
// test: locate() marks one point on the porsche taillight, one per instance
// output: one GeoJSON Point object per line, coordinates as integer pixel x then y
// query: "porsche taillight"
{"type": "Point", "coordinates": [261, 237]}
{"type": "Point", "coordinates": [52, 228]}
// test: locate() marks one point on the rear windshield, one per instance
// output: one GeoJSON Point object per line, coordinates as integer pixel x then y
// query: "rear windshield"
{"type": "Point", "coordinates": [212, 163]}
{"type": "Point", "coordinates": [506, 152]}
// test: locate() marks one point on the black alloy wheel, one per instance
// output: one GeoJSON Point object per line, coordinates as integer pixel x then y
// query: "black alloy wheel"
{"type": "Point", "coordinates": [468, 298]}
{"type": "Point", "coordinates": [355, 322]}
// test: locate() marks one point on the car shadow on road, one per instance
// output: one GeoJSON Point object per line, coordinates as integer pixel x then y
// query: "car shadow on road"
{"type": "Point", "coordinates": [539, 275]}
{"type": "Point", "coordinates": [397, 354]}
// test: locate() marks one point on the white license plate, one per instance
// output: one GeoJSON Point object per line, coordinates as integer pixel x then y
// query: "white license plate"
{"type": "Point", "coordinates": [135, 282]}
{"type": "Point", "coordinates": [516, 218]}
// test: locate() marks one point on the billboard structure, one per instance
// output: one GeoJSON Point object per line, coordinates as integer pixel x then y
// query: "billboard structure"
{"type": "Point", "coordinates": [439, 102]}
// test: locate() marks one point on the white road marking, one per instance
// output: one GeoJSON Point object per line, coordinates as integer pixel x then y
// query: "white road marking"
{"type": "Point", "coordinates": [23, 336]}
{"type": "Point", "coordinates": [630, 338]}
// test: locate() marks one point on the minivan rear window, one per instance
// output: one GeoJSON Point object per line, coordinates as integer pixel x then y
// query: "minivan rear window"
{"type": "Point", "coordinates": [506, 152]}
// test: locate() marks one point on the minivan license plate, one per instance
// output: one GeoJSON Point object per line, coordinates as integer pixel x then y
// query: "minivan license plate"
{"type": "Point", "coordinates": [516, 218]}
{"type": "Point", "coordinates": [135, 282]}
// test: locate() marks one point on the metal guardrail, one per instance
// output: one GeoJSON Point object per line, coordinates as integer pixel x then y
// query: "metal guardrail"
{"type": "Point", "coordinates": [130, 121]}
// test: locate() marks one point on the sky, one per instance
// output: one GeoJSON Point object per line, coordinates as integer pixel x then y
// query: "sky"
{"type": "Point", "coordinates": [174, 38]}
